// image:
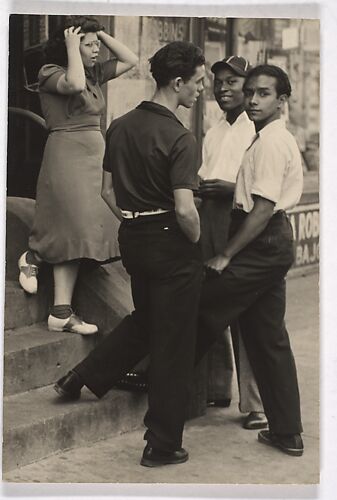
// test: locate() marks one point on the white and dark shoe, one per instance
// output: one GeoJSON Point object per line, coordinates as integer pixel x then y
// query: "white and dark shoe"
{"type": "Point", "coordinates": [28, 274]}
{"type": "Point", "coordinates": [72, 324]}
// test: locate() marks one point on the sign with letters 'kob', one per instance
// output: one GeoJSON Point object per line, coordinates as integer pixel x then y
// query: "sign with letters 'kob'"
{"type": "Point", "coordinates": [305, 223]}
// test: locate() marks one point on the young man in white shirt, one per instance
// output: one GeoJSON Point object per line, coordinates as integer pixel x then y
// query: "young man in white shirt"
{"type": "Point", "coordinates": [223, 149]}
{"type": "Point", "coordinates": [249, 273]}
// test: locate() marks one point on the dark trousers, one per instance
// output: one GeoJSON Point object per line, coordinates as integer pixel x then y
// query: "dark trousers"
{"type": "Point", "coordinates": [252, 287]}
{"type": "Point", "coordinates": [166, 274]}
{"type": "Point", "coordinates": [253, 284]}
{"type": "Point", "coordinates": [215, 219]}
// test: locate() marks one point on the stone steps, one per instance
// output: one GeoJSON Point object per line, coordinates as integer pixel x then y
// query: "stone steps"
{"type": "Point", "coordinates": [35, 357]}
{"type": "Point", "coordinates": [22, 309]}
{"type": "Point", "coordinates": [37, 423]}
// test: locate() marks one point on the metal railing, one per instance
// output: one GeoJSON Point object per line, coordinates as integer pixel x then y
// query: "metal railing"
{"type": "Point", "coordinates": [25, 113]}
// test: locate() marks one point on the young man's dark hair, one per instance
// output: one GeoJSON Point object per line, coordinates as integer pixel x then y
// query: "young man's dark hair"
{"type": "Point", "coordinates": [173, 60]}
{"type": "Point", "coordinates": [282, 81]}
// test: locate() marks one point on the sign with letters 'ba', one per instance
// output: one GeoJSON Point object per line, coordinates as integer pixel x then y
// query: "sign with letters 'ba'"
{"type": "Point", "coordinates": [305, 223]}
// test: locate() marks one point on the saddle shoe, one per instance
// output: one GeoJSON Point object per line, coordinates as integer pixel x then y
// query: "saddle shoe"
{"type": "Point", "coordinates": [28, 275]}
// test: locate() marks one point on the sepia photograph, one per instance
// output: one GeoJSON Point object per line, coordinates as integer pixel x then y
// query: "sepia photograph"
{"type": "Point", "coordinates": [161, 315]}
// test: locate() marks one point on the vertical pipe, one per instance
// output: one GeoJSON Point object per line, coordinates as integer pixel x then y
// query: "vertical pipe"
{"type": "Point", "coordinates": [197, 36]}
{"type": "Point", "coordinates": [231, 37]}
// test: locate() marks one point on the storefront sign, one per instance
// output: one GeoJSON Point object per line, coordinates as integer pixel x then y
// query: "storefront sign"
{"type": "Point", "coordinates": [172, 28]}
{"type": "Point", "coordinates": [305, 223]}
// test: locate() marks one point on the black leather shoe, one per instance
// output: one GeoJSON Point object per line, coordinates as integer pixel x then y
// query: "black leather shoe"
{"type": "Point", "coordinates": [291, 444]}
{"type": "Point", "coordinates": [255, 420]}
{"type": "Point", "coordinates": [156, 458]}
{"type": "Point", "coordinates": [69, 386]}
{"type": "Point", "coordinates": [219, 403]}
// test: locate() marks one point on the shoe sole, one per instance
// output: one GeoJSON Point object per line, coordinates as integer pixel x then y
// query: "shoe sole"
{"type": "Point", "coordinates": [294, 452]}
{"type": "Point", "coordinates": [152, 463]}
{"type": "Point", "coordinates": [256, 426]}
{"type": "Point", "coordinates": [52, 329]}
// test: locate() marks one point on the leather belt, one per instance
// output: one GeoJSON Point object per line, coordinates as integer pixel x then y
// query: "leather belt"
{"type": "Point", "coordinates": [128, 214]}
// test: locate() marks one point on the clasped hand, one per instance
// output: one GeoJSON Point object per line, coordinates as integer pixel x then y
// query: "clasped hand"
{"type": "Point", "coordinates": [213, 187]}
{"type": "Point", "coordinates": [217, 263]}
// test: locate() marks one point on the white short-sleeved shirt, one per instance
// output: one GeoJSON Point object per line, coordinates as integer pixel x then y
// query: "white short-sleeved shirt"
{"type": "Point", "coordinates": [224, 146]}
{"type": "Point", "coordinates": [271, 168]}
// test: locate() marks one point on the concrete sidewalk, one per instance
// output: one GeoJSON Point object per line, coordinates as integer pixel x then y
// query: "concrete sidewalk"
{"type": "Point", "coordinates": [221, 451]}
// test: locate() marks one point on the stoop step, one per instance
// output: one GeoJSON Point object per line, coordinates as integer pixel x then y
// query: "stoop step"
{"type": "Point", "coordinates": [22, 309]}
{"type": "Point", "coordinates": [38, 423]}
{"type": "Point", "coordinates": [35, 357]}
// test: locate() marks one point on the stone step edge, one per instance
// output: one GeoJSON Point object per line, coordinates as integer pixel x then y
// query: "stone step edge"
{"type": "Point", "coordinates": [35, 335]}
{"type": "Point", "coordinates": [35, 357]}
{"type": "Point", "coordinates": [74, 424]}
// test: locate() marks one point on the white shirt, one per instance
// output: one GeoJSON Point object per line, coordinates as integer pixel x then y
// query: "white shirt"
{"type": "Point", "coordinates": [224, 146]}
{"type": "Point", "coordinates": [271, 168]}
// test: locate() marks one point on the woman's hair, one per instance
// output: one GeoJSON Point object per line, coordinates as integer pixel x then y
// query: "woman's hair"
{"type": "Point", "coordinates": [282, 81]}
{"type": "Point", "coordinates": [55, 49]}
{"type": "Point", "coordinates": [175, 59]}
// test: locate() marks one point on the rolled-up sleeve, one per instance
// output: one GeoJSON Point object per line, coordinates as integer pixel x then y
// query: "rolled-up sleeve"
{"type": "Point", "coordinates": [270, 167]}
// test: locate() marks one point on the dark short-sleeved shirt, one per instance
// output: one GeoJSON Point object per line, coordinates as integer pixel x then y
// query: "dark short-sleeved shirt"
{"type": "Point", "coordinates": [150, 154]}
{"type": "Point", "coordinates": [80, 111]}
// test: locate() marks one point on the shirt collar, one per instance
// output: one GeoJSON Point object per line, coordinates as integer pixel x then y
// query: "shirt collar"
{"type": "Point", "coordinates": [243, 117]}
{"type": "Point", "coordinates": [272, 126]}
{"type": "Point", "coordinates": [159, 109]}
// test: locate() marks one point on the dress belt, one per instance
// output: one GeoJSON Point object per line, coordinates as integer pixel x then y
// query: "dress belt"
{"type": "Point", "coordinates": [128, 214]}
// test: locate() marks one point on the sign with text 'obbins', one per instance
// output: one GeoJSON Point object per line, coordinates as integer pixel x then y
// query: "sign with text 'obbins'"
{"type": "Point", "coordinates": [305, 223]}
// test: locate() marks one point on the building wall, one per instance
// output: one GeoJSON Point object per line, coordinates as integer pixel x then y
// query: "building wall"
{"type": "Point", "coordinates": [144, 36]}
{"type": "Point", "coordinates": [292, 44]}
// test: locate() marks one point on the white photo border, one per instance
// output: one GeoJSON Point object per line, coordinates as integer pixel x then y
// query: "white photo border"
{"type": "Point", "coordinates": [326, 10]}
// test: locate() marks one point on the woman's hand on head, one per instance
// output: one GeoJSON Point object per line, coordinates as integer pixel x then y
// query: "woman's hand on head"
{"type": "Point", "coordinates": [73, 81]}
{"type": "Point", "coordinates": [73, 37]}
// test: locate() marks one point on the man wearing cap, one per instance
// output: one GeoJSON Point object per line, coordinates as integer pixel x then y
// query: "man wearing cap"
{"type": "Point", "coordinates": [223, 150]}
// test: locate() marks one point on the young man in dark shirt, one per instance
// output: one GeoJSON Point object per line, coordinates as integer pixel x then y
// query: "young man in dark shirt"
{"type": "Point", "coordinates": [150, 172]}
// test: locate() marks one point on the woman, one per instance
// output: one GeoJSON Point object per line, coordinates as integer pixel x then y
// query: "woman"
{"type": "Point", "coordinates": [71, 221]}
